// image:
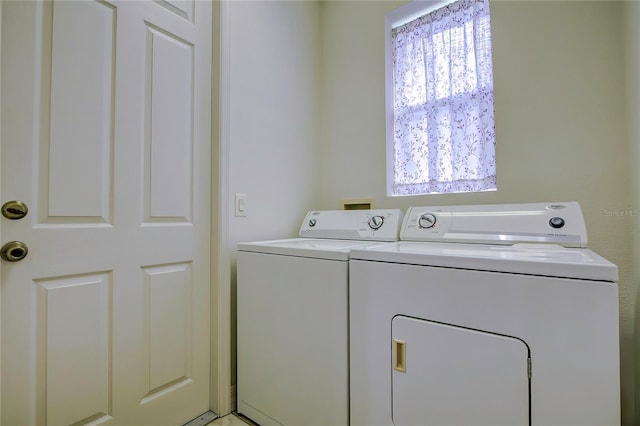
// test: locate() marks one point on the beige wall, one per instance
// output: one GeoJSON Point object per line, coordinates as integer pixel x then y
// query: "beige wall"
{"type": "Point", "coordinates": [560, 122]}
{"type": "Point", "coordinates": [273, 64]}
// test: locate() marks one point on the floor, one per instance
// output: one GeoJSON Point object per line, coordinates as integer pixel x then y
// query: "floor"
{"type": "Point", "coordinates": [230, 420]}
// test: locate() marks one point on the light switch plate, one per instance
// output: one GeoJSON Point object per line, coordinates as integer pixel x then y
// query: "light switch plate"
{"type": "Point", "coordinates": [241, 205]}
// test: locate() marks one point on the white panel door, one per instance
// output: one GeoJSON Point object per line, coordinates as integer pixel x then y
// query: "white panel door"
{"type": "Point", "coordinates": [106, 112]}
{"type": "Point", "coordinates": [447, 375]}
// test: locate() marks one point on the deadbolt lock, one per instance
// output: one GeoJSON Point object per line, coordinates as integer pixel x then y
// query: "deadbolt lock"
{"type": "Point", "coordinates": [14, 210]}
{"type": "Point", "coordinates": [14, 251]}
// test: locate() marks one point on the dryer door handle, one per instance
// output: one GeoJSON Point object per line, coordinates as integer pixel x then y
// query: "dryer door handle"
{"type": "Point", "coordinates": [399, 349]}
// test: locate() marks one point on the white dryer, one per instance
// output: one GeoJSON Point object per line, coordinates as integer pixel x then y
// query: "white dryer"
{"type": "Point", "coordinates": [293, 318]}
{"type": "Point", "coordinates": [485, 315]}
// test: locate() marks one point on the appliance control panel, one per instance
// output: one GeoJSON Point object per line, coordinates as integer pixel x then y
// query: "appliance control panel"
{"type": "Point", "coordinates": [375, 225]}
{"type": "Point", "coordinates": [557, 223]}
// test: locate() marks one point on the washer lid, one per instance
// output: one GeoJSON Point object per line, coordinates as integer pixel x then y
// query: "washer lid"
{"type": "Point", "coordinates": [307, 247]}
{"type": "Point", "coordinates": [530, 259]}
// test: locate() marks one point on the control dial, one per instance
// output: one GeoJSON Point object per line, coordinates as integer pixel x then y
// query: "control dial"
{"type": "Point", "coordinates": [427, 220]}
{"type": "Point", "coordinates": [376, 222]}
{"type": "Point", "coordinates": [556, 222]}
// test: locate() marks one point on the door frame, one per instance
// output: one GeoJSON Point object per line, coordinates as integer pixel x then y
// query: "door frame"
{"type": "Point", "coordinates": [221, 392]}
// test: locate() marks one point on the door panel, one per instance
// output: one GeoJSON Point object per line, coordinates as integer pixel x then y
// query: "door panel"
{"type": "Point", "coordinates": [168, 300]}
{"type": "Point", "coordinates": [169, 107]}
{"type": "Point", "coordinates": [79, 389]}
{"type": "Point", "coordinates": [106, 137]}
{"type": "Point", "coordinates": [182, 8]}
{"type": "Point", "coordinates": [81, 98]}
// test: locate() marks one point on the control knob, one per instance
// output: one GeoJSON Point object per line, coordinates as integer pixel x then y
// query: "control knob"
{"type": "Point", "coordinates": [556, 222]}
{"type": "Point", "coordinates": [427, 220]}
{"type": "Point", "coordinates": [376, 222]}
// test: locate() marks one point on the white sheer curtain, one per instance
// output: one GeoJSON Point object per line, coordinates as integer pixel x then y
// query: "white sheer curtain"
{"type": "Point", "coordinates": [444, 138]}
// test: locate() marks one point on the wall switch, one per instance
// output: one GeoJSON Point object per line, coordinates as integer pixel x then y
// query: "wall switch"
{"type": "Point", "coordinates": [241, 205]}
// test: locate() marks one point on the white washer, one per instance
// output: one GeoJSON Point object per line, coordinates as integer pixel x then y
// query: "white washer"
{"type": "Point", "coordinates": [293, 318]}
{"type": "Point", "coordinates": [485, 315]}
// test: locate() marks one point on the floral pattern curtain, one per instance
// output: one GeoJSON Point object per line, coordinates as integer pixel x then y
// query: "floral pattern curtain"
{"type": "Point", "coordinates": [444, 137]}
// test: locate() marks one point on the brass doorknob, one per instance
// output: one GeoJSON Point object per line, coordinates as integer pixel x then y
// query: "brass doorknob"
{"type": "Point", "coordinates": [14, 210]}
{"type": "Point", "coordinates": [14, 251]}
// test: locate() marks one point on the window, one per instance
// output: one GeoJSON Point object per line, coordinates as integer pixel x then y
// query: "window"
{"type": "Point", "coordinates": [439, 96]}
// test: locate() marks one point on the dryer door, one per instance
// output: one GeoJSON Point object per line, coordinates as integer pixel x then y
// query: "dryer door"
{"type": "Point", "coordinates": [448, 375]}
